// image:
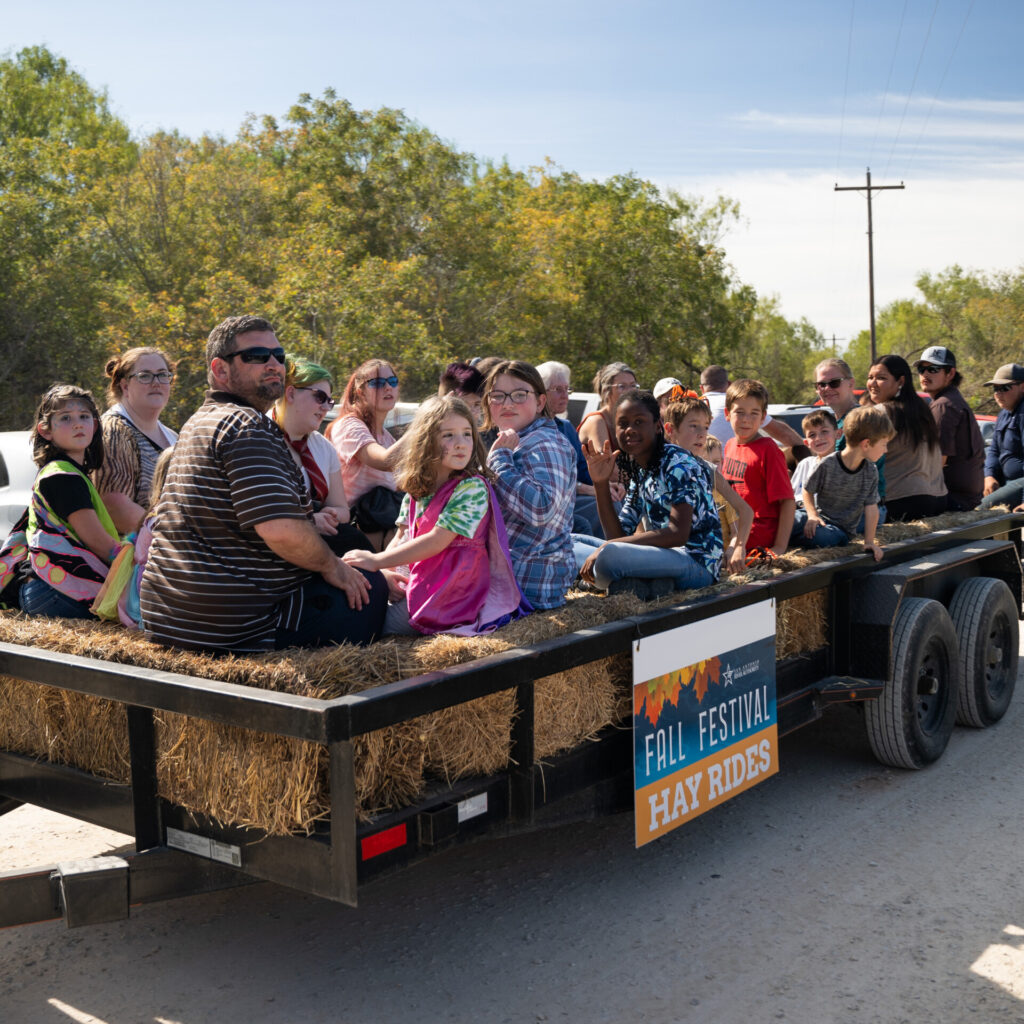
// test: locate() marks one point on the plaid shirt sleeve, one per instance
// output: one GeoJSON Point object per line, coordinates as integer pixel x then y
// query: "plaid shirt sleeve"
{"type": "Point", "coordinates": [529, 486]}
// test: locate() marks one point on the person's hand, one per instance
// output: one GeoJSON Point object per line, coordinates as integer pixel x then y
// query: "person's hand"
{"type": "Point", "coordinates": [351, 582]}
{"type": "Point", "coordinates": [326, 522]}
{"type": "Point", "coordinates": [398, 583]}
{"type": "Point", "coordinates": [618, 492]}
{"type": "Point", "coordinates": [875, 549]}
{"type": "Point", "coordinates": [736, 560]}
{"type": "Point", "coordinates": [600, 464]}
{"type": "Point", "coordinates": [360, 559]}
{"type": "Point", "coordinates": [811, 527]}
{"type": "Point", "coordinates": [507, 438]}
{"type": "Point", "coordinates": [991, 483]}
{"type": "Point", "coordinates": [587, 570]}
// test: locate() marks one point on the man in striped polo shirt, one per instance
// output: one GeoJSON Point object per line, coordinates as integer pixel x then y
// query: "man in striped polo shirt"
{"type": "Point", "coordinates": [236, 563]}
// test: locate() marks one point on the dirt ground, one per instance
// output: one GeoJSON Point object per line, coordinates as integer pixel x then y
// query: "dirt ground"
{"type": "Point", "coordinates": [837, 891]}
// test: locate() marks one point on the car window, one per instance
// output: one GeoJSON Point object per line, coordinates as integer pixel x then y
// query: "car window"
{"type": "Point", "coordinates": [5, 477]}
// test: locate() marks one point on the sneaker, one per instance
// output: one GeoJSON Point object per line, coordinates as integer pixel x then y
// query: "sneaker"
{"type": "Point", "coordinates": [629, 585]}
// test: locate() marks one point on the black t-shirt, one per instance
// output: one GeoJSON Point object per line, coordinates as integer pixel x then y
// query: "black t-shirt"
{"type": "Point", "coordinates": [66, 493]}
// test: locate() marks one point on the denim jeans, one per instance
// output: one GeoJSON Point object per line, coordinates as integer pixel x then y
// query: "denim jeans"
{"type": "Point", "coordinates": [825, 536]}
{"type": "Point", "coordinates": [37, 597]}
{"type": "Point", "coordinates": [1010, 494]}
{"type": "Point", "coordinates": [328, 619]}
{"type": "Point", "coordinates": [640, 561]}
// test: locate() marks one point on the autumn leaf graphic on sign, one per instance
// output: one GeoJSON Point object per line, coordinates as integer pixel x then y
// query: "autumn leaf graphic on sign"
{"type": "Point", "coordinates": [658, 692]}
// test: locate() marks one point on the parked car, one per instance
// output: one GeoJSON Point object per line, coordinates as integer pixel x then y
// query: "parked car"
{"type": "Point", "coordinates": [17, 473]}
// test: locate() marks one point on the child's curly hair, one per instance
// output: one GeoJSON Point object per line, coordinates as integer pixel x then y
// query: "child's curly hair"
{"type": "Point", "coordinates": [414, 459]}
{"type": "Point", "coordinates": [630, 470]}
{"type": "Point", "coordinates": [44, 450]}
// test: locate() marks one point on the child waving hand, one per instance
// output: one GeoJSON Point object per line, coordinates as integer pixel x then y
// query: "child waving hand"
{"type": "Point", "coordinates": [668, 529]}
{"type": "Point", "coordinates": [450, 534]}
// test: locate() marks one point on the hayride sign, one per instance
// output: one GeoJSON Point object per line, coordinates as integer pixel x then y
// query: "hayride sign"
{"type": "Point", "coordinates": [704, 733]}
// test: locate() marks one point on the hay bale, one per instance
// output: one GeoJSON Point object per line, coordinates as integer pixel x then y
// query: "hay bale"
{"type": "Point", "coordinates": [801, 624]}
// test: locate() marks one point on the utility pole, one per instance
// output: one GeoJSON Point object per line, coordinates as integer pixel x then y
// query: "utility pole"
{"type": "Point", "coordinates": [869, 188]}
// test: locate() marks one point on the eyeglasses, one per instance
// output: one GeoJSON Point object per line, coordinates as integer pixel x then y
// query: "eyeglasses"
{"type": "Point", "coordinates": [625, 387]}
{"type": "Point", "coordinates": [925, 368]}
{"type": "Point", "coordinates": [258, 354]}
{"type": "Point", "coordinates": [146, 377]}
{"type": "Point", "coordinates": [379, 382]}
{"type": "Point", "coordinates": [518, 396]}
{"type": "Point", "coordinates": [559, 390]}
{"type": "Point", "coordinates": [1003, 388]}
{"type": "Point", "coordinates": [829, 385]}
{"type": "Point", "coordinates": [320, 397]}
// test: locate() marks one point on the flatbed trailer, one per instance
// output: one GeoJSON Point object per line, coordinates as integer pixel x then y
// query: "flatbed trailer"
{"type": "Point", "coordinates": [923, 639]}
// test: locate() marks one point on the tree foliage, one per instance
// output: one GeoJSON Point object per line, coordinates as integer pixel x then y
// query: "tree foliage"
{"type": "Point", "coordinates": [359, 233]}
{"type": "Point", "coordinates": [979, 316]}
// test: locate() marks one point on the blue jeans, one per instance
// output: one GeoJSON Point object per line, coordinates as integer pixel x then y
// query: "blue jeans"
{"type": "Point", "coordinates": [327, 618]}
{"type": "Point", "coordinates": [641, 562]}
{"type": "Point", "coordinates": [37, 597]}
{"type": "Point", "coordinates": [1009, 494]}
{"type": "Point", "coordinates": [825, 536]}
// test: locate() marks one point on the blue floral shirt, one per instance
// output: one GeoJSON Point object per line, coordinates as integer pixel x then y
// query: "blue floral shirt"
{"type": "Point", "coordinates": [682, 478]}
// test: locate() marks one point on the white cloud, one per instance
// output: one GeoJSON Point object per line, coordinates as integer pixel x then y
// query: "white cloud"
{"type": "Point", "coordinates": [807, 244]}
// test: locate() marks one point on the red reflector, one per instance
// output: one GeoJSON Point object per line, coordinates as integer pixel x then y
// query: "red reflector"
{"type": "Point", "coordinates": [389, 839]}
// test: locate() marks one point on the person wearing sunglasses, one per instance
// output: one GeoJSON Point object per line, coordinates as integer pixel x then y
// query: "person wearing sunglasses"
{"type": "Point", "coordinates": [963, 448]}
{"type": "Point", "coordinates": [133, 435]}
{"type": "Point", "coordinates": [236, 562]}
{"type": "Point", "coordinates": [1004, 460]}
{"type": "Point", "coordinates": [362, 442]}
{"type": "Point", "coordinates": [834, 385]}
{"type": "Point", "coordinates": [299, 413]}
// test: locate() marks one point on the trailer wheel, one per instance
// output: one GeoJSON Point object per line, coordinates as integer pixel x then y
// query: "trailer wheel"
{"type": "Point", "coordinates": [984, 616]}
{"type": "Point", "coordinates": [910, 723]}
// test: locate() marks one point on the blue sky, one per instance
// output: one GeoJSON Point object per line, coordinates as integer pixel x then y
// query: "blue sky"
{"type": "Point", "coordinates": [770, 104]}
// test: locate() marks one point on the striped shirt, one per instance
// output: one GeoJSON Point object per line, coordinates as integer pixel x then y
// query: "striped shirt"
{"type": "Point", "coordinates": [536, 488]}
{"type": "Point", "coordinates": [211, 583]}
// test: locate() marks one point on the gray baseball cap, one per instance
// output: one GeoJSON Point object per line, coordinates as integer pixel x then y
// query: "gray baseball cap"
{"type": "Point", "coordinates": [1010, 373]}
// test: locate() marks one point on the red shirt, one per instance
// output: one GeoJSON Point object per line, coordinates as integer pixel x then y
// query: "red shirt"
{"type": "Point", "coordinates": [757, 471]}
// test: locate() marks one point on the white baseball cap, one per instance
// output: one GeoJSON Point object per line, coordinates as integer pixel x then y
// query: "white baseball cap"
{"type": "Point", "coordinates": [664, 386]}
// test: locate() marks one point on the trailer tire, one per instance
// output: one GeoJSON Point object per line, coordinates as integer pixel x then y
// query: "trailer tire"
{"type": "Point", "coordinates": [984, 616]}
{"type": "Point", "coordinates": [911, 721]}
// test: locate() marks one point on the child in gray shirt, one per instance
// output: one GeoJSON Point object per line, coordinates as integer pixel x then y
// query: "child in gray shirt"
{"type": "Point", "coordinates": [844, 486]}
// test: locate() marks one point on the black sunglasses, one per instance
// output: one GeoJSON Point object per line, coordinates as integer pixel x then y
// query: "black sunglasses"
{"type": "Point", "coordinates": [320, 397]}
{"type": "Point", "coordinates": [821, 385]}
{"type": "Point", "coordinates": [925, 368]}
{"type": "Point", "coordinates": [1003, 388]}
{"type": "Point", "coordinates": [257, 354]}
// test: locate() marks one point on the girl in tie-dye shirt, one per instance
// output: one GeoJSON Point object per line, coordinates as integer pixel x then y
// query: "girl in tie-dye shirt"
{"type": "Point", "coordinates": [450, 534]}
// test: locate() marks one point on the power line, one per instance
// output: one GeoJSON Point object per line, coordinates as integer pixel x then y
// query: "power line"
{"type": "Point", "coordinates": [885, 92]}
{"type": "Point", "coordinates": [942, 82]}
{"type": "Point", "coordinates": [920, 58]}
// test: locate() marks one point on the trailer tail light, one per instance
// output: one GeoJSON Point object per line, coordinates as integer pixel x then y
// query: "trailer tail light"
{"type": "Point", "coordinates": [384, 842]}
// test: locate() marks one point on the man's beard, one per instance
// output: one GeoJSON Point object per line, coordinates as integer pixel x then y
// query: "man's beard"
{"type": "Point", "coordinates": [262, 395]}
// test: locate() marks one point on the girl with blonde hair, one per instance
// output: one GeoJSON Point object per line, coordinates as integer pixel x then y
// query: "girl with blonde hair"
{"type": "Point", "coordinates": [450, 531]}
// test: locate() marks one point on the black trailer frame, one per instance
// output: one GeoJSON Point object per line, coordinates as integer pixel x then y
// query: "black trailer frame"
{"type": "Point", "coordinates": [178, 852]}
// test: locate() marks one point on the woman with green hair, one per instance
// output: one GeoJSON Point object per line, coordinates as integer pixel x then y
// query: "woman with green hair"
{"type": "Point", "coordinates": [299, 412]}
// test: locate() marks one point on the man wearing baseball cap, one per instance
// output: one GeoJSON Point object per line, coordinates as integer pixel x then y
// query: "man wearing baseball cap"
{"type": "Point", "coordinates": [963, 449]}
{"type": "Point", "coordinates": [1004, 462]}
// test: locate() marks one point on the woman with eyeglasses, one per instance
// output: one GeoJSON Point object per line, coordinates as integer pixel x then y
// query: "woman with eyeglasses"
{"type": "Point", "coordinates": [362, 444]}
{"type": "Point", "coordinates": [133, 436]}
{"type": "Point", "coordinates": [534, 471]}
{"type": "Point", "coordinates": [299, 413]}
{"type": "Point", "coordinates": [914, 486]}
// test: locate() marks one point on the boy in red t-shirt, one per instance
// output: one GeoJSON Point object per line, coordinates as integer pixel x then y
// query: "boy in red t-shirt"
{"type": "Point", "coordinates": [756, 467]}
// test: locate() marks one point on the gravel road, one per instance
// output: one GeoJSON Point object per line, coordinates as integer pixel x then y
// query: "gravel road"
{"type": "Point", "coordinates": [837, 891]}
